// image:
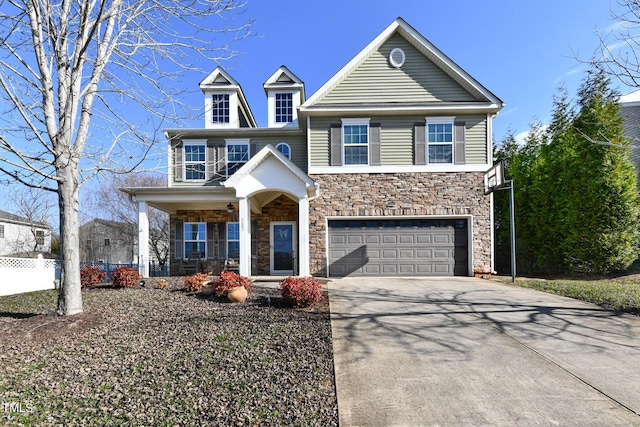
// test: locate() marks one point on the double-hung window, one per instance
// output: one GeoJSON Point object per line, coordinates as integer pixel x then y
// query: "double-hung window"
{"type": "Point", "coordinates": [195, 238]}
{"type": "Point", "coordinates": [237, 155]}
{"type": "Point", "coordinates": [355, 141]}
{"type": "Point", "coordinates": [284, 107]}
{"type": "Point", "coordinates": [40, 237]}
{"type": "Point", "coordinates": [440, 140]}
{"type": "Point", "coordinates": [220, 108]}
{"type": "Point", "coordinates": [233, 240]}
{"type": "Point", "coordinates": [195, 161]}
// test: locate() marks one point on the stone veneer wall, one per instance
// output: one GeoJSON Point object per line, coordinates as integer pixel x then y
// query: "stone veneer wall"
{"type": "Point", "coordinates": [280, 209]}
{"type": "Point", "coordinates": [382, 194]}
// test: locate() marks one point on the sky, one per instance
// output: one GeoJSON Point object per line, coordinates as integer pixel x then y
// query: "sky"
{"type": "Point", "coordinates": [520, 51]}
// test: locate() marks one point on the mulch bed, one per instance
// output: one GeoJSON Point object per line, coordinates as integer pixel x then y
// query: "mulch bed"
{"type": "Point", "coordinates": [162, 357]}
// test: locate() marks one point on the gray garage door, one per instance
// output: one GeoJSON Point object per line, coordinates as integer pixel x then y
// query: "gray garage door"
{"type": "Point", "coordinates": [411, 247]}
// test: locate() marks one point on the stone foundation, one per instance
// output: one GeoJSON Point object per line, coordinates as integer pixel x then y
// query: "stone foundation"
{"type": "Point", "coordinates": [401, 194]}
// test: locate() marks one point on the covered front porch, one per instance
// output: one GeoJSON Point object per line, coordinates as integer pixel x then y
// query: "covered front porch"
{"type": "Point", "coordinates": [257, 221]}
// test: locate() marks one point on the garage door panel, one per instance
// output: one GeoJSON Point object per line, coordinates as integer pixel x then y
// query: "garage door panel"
{"type": "Point", "coordinates": [425, 239]}
{"type": "Point", "coordinates": [407, 239]}
{"type": "Point", "coordinates": [389, 254]}
{"type": "Point", "coordinates": [407, 254]}
{"type": "Point", "coordinates": [390, 239]}
{"type": "Point", "coordinates": [372, 239]}
{"type": "Point", "coordinates": [398, 247]}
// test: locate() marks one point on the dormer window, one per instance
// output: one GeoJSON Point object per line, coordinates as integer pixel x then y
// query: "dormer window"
{"type": "Point", "coordinates": [284, 107]}
{"type": "Point", "coordinates": [220, 108]}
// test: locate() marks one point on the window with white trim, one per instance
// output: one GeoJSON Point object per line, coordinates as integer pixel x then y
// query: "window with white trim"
{"type": "Point", "coordinates": [237, 155]}
{"type": "Point", "coordinates": [285, 149]}
{"type": "Point", "coordinates": [233, 240]}
{"type": "Point", "coordinates": [355, 141]}
{"type": "Point", "coordinates": [195, 238]}
{"type": "Point", "coordinates": [440, 141]}
{"type": "Point", "coordinates": [195, 164]}
{"type": "Point", "coordinates": [220, 108]}
{"type": "Point", "coordinates": [40, 237]}
{"type": "Point", "coordinates": [284, 107]}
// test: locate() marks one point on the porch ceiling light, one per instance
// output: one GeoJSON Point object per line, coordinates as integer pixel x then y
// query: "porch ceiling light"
{"type": "Point", "coordinates": [230, 208]}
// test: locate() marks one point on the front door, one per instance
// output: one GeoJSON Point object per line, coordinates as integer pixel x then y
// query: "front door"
{"type": "Point", "coordinates": [283, 244]}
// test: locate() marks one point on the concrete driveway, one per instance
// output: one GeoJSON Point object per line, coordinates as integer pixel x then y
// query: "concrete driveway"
{"type": "Point", "coordinates": [464, 351]}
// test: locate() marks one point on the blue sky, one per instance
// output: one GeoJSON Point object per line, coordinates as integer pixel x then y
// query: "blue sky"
{"type": "Point", "coordinates": [521, 51]}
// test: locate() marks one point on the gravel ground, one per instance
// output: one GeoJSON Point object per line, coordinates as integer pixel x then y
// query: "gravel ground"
{"type": "Point", "coordinates": [162, 357]}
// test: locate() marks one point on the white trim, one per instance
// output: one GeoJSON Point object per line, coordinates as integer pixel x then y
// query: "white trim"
{"type": "Point", "coordinates": [143, 239]}
{"type": "Point", "coordinates": [303, 237]}
{"type": "Point", "coordinates": [287, 145]}
{"type": "Point", "coordinates": [477, 108]}
{"type": "Point", "coordinates": [434, 167]}
{"type": "Point", "coordinates": [394, 63]}
{"type": "Point", "coordinates": [449, 120]}
{"type": "Point", "coordinates": [355, 122]}
{"type": "Point", "coordinates": [192, 142]}
{"type": "Point", "coordinates": [468, 217]}
{"type": "Point", "coordinates": [293, 246]}
{"type": "Point", "coordinates": [244, 211]}
{"type": "Point", "coordinates": [235, 141]}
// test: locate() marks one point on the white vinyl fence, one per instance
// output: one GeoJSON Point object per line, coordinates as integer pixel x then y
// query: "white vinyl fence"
{"type": "Point", "coordinates": [20, 275]}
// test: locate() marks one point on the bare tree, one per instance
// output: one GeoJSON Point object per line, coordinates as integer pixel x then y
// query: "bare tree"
{"type": "Point", "coordinates": [109, 202]}
{"type": "Point", "coordinates": [37, 207]}
{"type": "Point", "coordinates": [85, 85]}
{"type": "Point", "coordinates": [618, 52]}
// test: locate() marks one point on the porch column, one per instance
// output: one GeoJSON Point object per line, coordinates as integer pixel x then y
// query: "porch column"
{"type": "Point", "coordinates": [245, 236]}
{"type": "Point", "coordinates": [303, 236]}
{"type": "Point", "coordinates": [143, 239]}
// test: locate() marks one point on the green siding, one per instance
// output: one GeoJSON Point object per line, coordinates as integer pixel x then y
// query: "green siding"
{"type": "Point", "coordinates": [396, 139]}
{"type": "Point", "coordinates": [375, 81]}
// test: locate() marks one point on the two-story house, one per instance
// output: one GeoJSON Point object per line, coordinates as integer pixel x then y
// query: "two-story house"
{"type": "Point", "coordinates": [21, 236]}
{"type": "Point", "coordinates": [379, 172]}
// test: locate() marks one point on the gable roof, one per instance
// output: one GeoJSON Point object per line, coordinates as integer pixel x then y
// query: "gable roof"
{"type": "Point", "coordinates": [483, 96]}
{"type": "Point", "coordinates": [630, 99]}
{"type": "Point", "coordinates": [17, 219]}
{"type": "Point", "coordinates": [284, 77]}
{"type": "Point", "coordinates": [220, 79]}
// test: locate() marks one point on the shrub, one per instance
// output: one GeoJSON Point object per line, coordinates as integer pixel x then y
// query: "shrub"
{"type": "Point", "coordinates": [229, 280]}
{"type": "Point", "coordinates": [125, 277]}
{"type": "Point", "coordinates": [91, 275]}
{"type": "Point", "coordinates": [162, 284]}
{"type": "Point", "coordinates": [301, 291]}
{"type": "Point", "coordinates": [194, 282]}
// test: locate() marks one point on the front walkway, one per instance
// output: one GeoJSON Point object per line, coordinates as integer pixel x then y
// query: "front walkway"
{"type": "Point", "coordinates": [464, 351]}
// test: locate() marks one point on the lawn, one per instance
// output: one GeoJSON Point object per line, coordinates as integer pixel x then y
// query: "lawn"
{"type": "Point", "coordinates": [162, 357]}
{"type": "Point", "coordinates": [616, 293]}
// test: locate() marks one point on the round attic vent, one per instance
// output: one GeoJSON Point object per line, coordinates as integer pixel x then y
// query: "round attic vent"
{"type": "Point", "coordinates": [396, 57]}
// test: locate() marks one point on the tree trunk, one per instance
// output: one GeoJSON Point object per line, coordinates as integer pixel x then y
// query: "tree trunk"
{"type": "Point", "coordinates": [70, 292]}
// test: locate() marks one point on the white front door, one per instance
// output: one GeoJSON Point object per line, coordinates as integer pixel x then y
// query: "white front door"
{"type": "Point", "coordinates": [283, 247]}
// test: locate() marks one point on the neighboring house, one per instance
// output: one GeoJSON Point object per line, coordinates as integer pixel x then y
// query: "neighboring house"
{"type": "Point", "coordinates": [20, 236]}
{"type": "Point", "coordinates": [379, 172]}
{"type": "Point", "coordinates": [108, 241]}
{"type": "Point", "coordinates": [630, 113]}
